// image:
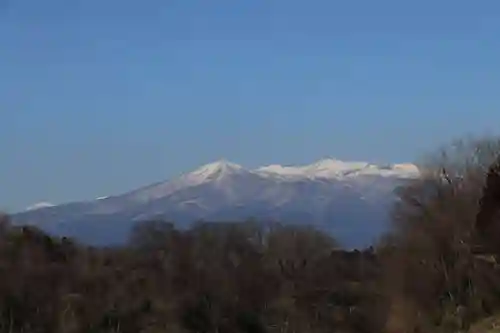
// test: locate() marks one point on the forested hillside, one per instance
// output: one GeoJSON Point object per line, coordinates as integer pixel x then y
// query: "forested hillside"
{"type": "Point", "coordinates": [212, 278]}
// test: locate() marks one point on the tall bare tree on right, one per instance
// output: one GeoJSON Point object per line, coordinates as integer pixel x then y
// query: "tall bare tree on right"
{"type": "Point", "coordinates": [435, 273]}
{"type": "Point", "coordinates": [488, 216]}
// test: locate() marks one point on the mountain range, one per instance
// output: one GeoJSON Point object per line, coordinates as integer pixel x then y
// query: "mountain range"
{"type": "Point", "coordinates": [351, 200]}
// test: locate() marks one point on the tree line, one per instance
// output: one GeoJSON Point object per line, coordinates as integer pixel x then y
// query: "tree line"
{"type": "Point", "coordinates": [434, 271]}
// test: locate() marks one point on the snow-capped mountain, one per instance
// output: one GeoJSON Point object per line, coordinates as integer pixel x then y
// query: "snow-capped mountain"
{"type": "Point", "coordinates": [349, 199]}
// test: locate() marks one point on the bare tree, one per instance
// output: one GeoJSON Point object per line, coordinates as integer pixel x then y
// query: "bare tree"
{"type": "Point", "coordinates": [435, 235]}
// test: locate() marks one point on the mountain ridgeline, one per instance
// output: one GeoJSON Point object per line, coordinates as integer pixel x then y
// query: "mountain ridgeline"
{"type": "Point", "coordinates": [350, 200]}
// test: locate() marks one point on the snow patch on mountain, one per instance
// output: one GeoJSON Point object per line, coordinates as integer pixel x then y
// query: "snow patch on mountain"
{"type": "Point", "coordinates": [336, 169]}
{"type": "Point", "coordinates": [213, 171]}
{"type": "Point", "coordinates": [39, 205]}
{"type": "Point", "coordinates": [279, 170]}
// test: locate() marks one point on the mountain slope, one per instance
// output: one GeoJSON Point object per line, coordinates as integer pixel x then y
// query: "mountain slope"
{"type": "Point", "coordinates": [349, 199]}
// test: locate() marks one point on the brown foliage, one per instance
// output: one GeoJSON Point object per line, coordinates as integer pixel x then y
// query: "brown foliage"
{"type": "Point", "coordinates": [434, 278]}
{"type": "Point", "coordinates": [215, 277]}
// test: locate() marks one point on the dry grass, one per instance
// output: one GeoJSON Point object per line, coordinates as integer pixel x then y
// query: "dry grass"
{"type": "Point", "coordinates": [488, 325]}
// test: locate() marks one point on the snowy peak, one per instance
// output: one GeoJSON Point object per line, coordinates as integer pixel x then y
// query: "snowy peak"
{"type": "Point", "coordinates": [334, 169]}
{"type": "Point", "coordinates": [338, 165]}
{"type": "Point", "coordinates": [328, 168]}
{"type": "Point", "coordinates": [279, 170]}
{"type": "Point", "coordinates": [406, 167]}
{"type": "Point", "coordinates": [214, 171]}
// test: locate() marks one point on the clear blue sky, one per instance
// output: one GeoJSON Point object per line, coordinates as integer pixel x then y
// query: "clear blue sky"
{"type": "Point", "coordinates": [98, 97]}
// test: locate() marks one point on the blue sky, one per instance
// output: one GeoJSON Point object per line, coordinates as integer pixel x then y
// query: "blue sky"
{"type": "Point", "coordinates": [99, 97]}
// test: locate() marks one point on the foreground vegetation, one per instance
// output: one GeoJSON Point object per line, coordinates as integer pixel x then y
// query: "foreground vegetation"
{"type": "Point", "coordinates": [213, 278]}
{"type": "Point", "coordinates": [434, 272]}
